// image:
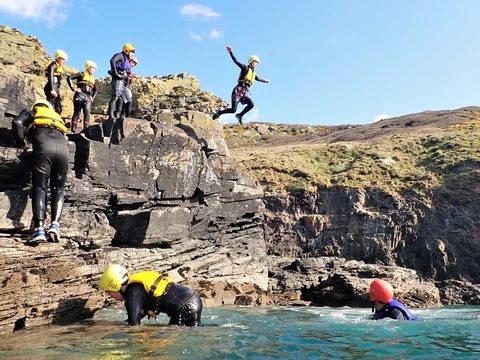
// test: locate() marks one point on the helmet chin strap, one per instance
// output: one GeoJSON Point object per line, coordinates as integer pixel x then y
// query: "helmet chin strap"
{"type": "Point", "coordinates": [122, 293]}
{"type": "Point", "coordinates": [373, 306]}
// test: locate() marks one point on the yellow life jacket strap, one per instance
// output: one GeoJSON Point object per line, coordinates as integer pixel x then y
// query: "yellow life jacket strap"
{"type": "Point", "coordinates": [45, 121]}
{"type": "Point", "coordinates": [148, 304]}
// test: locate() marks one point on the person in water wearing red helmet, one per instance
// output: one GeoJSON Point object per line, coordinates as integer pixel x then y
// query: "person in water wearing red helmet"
{"type": "Point", "coordinates": [149, 293]}
{"type": "Point", "coordinates": [240, 92]}
{"type": "Point", "coordinates": [381, 296]}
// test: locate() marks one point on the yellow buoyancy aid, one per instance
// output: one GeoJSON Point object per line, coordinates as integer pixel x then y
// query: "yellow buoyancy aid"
{"type": "Point", "coordinates": [152, 281]}
{"type": "Point", "coordinates": [58, 72]}
{"type": "Point", "coordinates": [87, 79]}
{"type": "Point", "coordinates": [248, 78]}
{"type": "Point", "coordinates": [44, 117]}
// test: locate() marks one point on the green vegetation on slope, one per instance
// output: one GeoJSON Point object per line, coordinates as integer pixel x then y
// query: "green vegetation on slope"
{"type": "Point", "coordinates": [396, 164]}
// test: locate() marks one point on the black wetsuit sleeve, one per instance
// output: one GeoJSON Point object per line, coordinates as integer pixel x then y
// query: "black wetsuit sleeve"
{"type": "Point", "coordinates": [113, 63]}
{"type": "Point", "coordinates": [259, 79]}
{"type": "Point", "coordinates": [76, 76]}
{"type": "Point", "coordinates": [50, 73]}
{"type": "Point", "coordinates": [135, 296]}
{"type": "Point", "coordinates": [238, 63]}
{"type": "Point", "coordinates": [19, 126]}
{"type": "Point", "coordinates": [94, 91]}
{"type": "Point", "coordinates": [397, 314]}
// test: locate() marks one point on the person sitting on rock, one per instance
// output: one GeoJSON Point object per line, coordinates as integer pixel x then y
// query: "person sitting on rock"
{"type": "Point", "coordinates": [149, 293]}
{"type": "Point", "coordinates": [45, 130]}
{"type": "Point", "coordinates": [84, 94]}
{"type": "Point", "coordinates": [54, 73]}
{"type": "Point", "coordinates": [240, 91]}
{"type": "Point", "coordinates": [381, 296]}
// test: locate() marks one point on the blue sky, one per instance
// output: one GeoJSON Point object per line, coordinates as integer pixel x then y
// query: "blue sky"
{"type": "Point", "coordinates": [329, 62]}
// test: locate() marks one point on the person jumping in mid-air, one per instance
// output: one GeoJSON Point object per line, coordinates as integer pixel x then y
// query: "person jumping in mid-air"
{"type": "Point", "coordinates": [240, 91]}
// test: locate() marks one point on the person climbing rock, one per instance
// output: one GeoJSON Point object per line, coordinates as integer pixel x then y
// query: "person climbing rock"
{"type": "Point", "coordinates": [45, 130]}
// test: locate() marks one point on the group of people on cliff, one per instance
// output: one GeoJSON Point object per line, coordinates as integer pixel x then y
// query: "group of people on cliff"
{"type": "Point", "coordinates": [85, 91]}
{"type": "Point", "coordinates": [44, 128]}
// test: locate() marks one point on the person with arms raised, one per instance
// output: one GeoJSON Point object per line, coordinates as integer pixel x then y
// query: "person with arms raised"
{"type": "Point", "coordinates": [240, 93]}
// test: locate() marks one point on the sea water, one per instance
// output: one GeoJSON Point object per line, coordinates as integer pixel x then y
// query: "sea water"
{"type": "Point", "coordinates": [258, 333]}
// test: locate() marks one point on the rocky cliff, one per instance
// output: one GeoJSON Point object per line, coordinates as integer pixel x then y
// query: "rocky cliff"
{"type": "Point", "coordinates": [165, 193]}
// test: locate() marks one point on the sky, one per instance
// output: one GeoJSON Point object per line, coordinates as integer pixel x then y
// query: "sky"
{"type": "Point", "coordinates": [328, 62]}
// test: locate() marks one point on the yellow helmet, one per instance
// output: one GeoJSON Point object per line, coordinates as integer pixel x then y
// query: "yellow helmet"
{"type": "Point", "coordinates": [89, 64]}
{"type": "Point", "coordinates": [42, 102]}
{"type": "Point", "coordinates": [127, 48]}
{"type": "Point", "coordinates": [253, 58]}
{"type": "Point", "coordinates": [61, 54]}
{"type": "Point", "coordinates": [113, 278]}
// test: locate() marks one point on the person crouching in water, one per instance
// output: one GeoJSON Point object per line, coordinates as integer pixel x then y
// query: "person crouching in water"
{"type": "Point", "coordinates": [150, 293]}
{"type": "Point", "coordinates": [54, 73]}
{"type": "Point", "coordinates": [240, 91]}
{"type": "Point", "coordinates": [45, 130]}
{"type": "Point", "coordinates": [381, 296]}
{"type": "Point", "coordinates": [84, 94]}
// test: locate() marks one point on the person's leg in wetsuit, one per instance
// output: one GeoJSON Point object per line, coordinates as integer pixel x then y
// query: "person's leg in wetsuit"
{"type": "Point", "coordinates": [50, 161]}
{"type": "Point", "coordinates": [54, 100]}
{"type": "Point", "coordinates": [77, 108]}
{"type": "Point", "coordinates": [245, 101]}
{"type": "Point", "coordinates": [183, 305]}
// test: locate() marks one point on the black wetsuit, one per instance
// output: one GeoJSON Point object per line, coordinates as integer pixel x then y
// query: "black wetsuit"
{"type": "Point", "coordinates": [240, 91]}
{"type": "Point", "coordinates": [119, 70]}
{"type": "Point", "coordinates": [81, 100]}
{"type": "Point", "coordinates": [181, 304]}
{"type": "Point", "coordinates": [49, 161]}
{"type": "Point", "coordinates": [53, 83]}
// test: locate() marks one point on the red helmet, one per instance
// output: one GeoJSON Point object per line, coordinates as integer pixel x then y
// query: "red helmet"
{"type": "Point", "coordinates": [380, 290]}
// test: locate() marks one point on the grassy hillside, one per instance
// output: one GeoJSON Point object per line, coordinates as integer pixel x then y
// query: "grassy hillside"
{"type": "Point", "coordinates": [415, 159]}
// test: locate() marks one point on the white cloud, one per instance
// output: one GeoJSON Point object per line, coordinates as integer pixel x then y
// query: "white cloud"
{"type": "Point", "coordinates": [198, 11]}
{"type": "Point", "coordinates": [214, 34]}
{"type": "Point", "coordinates": [195, 36]}
{"type": "Point", "coordinates": [51, 11]}
{"type": "Point", "coordinates": [380, 117]}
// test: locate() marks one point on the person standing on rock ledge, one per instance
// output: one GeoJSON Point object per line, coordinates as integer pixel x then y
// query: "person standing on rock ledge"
{"type": "Point", "coordinates": [84, 94]}
{"type": "Point", "coordinates": [149, 293]}
{"type": "Point", "coordinates": [240, 92]}
{"type": "Point", "coordinates": [120, 70]}
{"type": "Point", "coordinates": [54, 73]}
{"type": "Point", "coordinates": [45, 130]}
{"type": "Point", "coordinates": [381, 296]}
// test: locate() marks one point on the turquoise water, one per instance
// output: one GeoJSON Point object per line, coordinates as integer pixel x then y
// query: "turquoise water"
{"type": "Point", "coordinates": [258, 333]}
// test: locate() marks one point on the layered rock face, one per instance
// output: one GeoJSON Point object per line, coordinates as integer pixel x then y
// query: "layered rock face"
{"type": "Point", "coordinates": [164, 194]}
